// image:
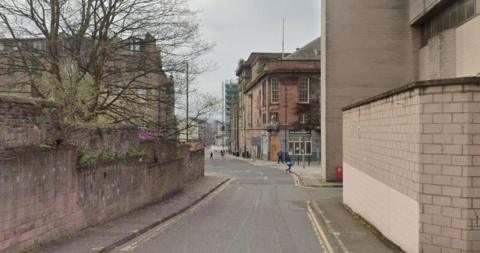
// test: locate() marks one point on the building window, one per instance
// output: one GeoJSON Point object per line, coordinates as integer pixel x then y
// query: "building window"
{"type": "Point", "coordinates": [451, 17]}
{"type": "Point", "coordinates": [264, 93]}
{"type": "Point", "coordinates": [275, 91]}
{"type": "Point", "coordinates": [35, 65]}
{"type": "Point", "coordinates": [259, 100]}
{"type": "Point", "coordinates": [142, 93]}
{"type": "Point", "coordinates": [38, 45]}
{"type": "Point", "coordinates": [274, 118]}
{"type": "Point", "coordinates": [302, 118]}
{"type": "Point", "coordinates": [300, 145]}
{"type": "Point", "coordinates": [264, 118]}
{"type": "Point", "coordinates": [12, 66]}
{"type": "Point", "coordinates": [134, 45]}
{"type": "Point", "coordinates": [304, 90]}
{"type": "Point", "coordinates": [250, 119]}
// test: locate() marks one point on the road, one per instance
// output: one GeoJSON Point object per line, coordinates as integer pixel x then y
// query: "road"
{"type": "Point", "coordinates": [259, 210]}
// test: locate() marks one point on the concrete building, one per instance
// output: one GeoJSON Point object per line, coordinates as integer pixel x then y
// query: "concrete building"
{"type": "Point", "coordinates": [404, 74]}
{"type": "Point", "coordinates": [193, 131]}
{"type": "Point", "coordinates": [206, 133]}
{"type": "Point", "coordinates": [230, 92]}
{"type": "Point", "coordinates": [279, 104]}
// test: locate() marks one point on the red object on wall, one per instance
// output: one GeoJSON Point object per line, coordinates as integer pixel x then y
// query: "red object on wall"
{"type": "Point", "coordinates": [339, 173]}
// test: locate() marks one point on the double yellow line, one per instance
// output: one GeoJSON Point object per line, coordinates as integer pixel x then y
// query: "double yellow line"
{"type": "Point", "coordinates": [321, 234]}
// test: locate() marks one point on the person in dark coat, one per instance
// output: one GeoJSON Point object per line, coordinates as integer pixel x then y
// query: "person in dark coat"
{"type": "Point", "coordinates": [280, 156]}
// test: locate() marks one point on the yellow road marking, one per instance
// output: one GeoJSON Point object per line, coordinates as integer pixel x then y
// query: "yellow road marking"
{"type": "Point", "coordinates": [160, 228]}
{"type": "Point", "coordinates": [322, 237]}
{"type": "Point", "coordinates": [296, 180]}
{"type": "Point", "coordinates": [336, 234]}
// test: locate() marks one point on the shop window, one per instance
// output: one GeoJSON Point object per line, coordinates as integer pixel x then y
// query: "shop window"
{"type": "Point", "coordinates": [300, 146]}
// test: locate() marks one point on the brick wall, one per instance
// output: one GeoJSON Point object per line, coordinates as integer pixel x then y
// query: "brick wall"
{"type": "Point", "coordinates": [25, 121]}
{"type": "Point", "coordinates": [422, 142]}
{"type": "Point", "coordinates": [43, 195]}
{"type": "Point", "coordinates": [193, 163]}
{"type": "Point", "coordinates": [381, 139]}
{"type": "Point", "coordinates": [105, 140]}
{"type": "Point", "coordinates": [381, 166]}
{"type": "Point", "coordinates": [450, 173]}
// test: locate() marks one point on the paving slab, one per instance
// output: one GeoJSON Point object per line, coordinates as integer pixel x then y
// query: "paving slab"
{"type": "Point", "coordinates": [108, 235]}
{"type": "Point", "coordinates": [352, 234]}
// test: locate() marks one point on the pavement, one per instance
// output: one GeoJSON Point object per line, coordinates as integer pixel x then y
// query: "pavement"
{"type": "Point", "coordinates": [259, 209]}
{"type": "Point", "coordinates": [105, 237]}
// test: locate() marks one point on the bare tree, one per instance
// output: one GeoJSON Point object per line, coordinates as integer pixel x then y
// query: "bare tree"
{"type": "Point", "coordinates": [104, 60]}
{"type": "Point", "coordinates": [202, 106]}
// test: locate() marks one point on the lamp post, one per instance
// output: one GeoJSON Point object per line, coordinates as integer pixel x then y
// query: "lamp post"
{"type": "Point", "coordinates": [286, 117]}
{"type": "Point", "coordinates": [186, 124]}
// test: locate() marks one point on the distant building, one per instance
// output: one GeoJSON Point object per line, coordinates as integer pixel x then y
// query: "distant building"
{"type": "Point", "coordinates": [192, 132]}
{"type": "Point", "coordinates": [137, 65]}
{"type": "Point", "coordinates": [206, 133]}
{"type": "Point", "coordinates": [219, 134]}
{"type": "Point", "coordinates": [279, 104]}
{"type": "Point", "coordinates": [230, 92]}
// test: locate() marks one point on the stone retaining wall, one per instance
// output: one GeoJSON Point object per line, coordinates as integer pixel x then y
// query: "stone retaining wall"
{"type": "Point", "coordinates": [43, 195]}
{"type": "Point", "coordinates": [25, 121]}
{"type": "Point", "coordinates": [98, 174]}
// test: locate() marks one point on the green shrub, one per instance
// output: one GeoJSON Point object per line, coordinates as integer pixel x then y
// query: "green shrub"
{"type": "Point", "coordinates": [85, 160]}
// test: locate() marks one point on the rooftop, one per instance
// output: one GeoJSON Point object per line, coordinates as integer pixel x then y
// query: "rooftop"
{"type": "Point", "coordinates": [311, 51]}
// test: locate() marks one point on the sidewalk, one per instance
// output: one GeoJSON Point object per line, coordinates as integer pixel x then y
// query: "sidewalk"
{"type": "Point", "coordinates": [109, 235]}
{"type": "Point", "coordinates": [307, 177]}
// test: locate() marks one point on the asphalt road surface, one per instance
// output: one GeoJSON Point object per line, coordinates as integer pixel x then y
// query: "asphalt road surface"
{"type": "Point", "coordinates": [259, 210]}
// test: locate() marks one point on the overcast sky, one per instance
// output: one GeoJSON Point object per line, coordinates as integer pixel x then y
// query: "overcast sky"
{"type": "Point", "coordinates": [239, 27]}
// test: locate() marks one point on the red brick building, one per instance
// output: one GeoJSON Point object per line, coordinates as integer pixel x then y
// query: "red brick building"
{"type": "Point", "coordinates": [279, 104]}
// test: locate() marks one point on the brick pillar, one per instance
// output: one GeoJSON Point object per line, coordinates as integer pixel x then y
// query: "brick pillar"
{"type": "Point", "coordinates": [450, 172]}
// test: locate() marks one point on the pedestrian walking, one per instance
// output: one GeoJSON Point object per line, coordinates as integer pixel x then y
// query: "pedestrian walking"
{"type": "Point", "coordinates": [211, 155]}
{"type": "Point", "coordinates": [221, 153]}
{"type": "Point", "coordinates": [289, 164]}
{"type": "Point", "coordinates": [280, 156]}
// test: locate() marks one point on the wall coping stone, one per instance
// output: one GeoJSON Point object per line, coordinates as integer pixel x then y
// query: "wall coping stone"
{"type": "Point", "coordinates": [10, 153]}
{"type": "Point", "coordinates": [28, 100]}
{"type": "Point", "coordinates": [415, 85]}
